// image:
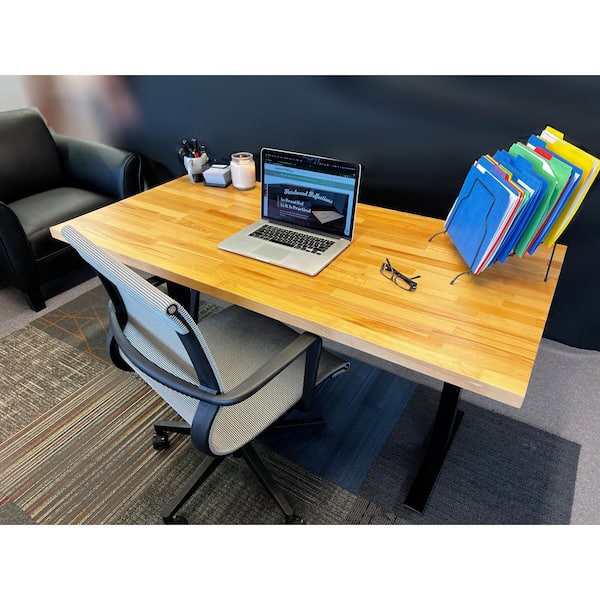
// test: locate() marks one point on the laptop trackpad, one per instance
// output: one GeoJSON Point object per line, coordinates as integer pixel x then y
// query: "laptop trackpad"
{"type": "Point", "coordinates": [269, 252]}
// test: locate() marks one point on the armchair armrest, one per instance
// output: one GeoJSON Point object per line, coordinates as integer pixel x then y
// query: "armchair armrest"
{"type": "Point", "coordinates": [16, 262]}
{"type": "Point", "coordinates": [100, 168]}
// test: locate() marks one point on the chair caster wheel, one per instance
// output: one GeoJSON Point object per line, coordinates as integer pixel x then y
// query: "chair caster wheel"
{"type": "Point", "coordinates": [175, 520]}
{"type": "Point", "coordinates": [160, 441]}
{"type": "Point", "coordinates": [294, 520]}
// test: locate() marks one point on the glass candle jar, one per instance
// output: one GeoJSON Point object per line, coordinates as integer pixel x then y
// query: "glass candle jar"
{"type": "Point", "coordinates": [243, 171]}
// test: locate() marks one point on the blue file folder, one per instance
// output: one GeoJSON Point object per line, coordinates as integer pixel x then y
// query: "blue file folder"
{"type": "Point", "coordinates": [479, 215]}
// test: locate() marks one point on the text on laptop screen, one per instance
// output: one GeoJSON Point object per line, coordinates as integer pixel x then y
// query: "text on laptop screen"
{"type": "Point", "coordinates": [314, 192]}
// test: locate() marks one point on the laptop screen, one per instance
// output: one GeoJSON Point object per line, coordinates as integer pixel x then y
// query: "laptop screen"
{"type": "Point", "coordinates": [312, 192]}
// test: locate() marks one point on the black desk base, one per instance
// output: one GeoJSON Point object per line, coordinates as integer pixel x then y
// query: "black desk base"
{"type": "Point", "coordinates": [446, 423]}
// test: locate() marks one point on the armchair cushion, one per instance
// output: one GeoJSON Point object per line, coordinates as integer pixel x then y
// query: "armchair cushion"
{"type": "Point", "coordinates": [37, 213]}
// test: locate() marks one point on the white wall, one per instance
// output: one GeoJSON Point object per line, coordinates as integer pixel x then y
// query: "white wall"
{"type": "Point", "coordinates": [72, 105]}
{"type": "Point", "coordinates": [12, 92]}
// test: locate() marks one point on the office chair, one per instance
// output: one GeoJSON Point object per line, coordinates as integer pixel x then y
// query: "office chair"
{"type": "Point", "coordinates": [230, 377]}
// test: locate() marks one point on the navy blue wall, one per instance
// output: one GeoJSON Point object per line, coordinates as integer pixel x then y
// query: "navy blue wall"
{"type": "Point", "coordinates": [415, 135]}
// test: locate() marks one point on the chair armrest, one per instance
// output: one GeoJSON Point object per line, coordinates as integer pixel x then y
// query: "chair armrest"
{"type": "Point", "coordinates": [100, 168]}
{"type": "Point", "coordinates": [304, 343]}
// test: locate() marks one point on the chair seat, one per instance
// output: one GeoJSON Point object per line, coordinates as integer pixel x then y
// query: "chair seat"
{"type": "Point", "coordinates": [265, 336]}
{"type": "Point", "coordinates": [251, 340]}
{"type": "Point", "coordinates": [39, 212]}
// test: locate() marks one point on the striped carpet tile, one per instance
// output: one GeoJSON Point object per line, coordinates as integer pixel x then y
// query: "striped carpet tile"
{"type": "Point", "coordinates": [89, 460]}
{"type": "Point", "coordinates": [37, 372]}
{"type": "Point", "coordinates": [84, 460]}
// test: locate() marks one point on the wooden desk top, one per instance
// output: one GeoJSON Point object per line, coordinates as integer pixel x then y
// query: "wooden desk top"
{"type": "Point", "coordinates": [482, 333]}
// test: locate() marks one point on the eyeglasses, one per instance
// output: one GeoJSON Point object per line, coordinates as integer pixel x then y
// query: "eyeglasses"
{"type": "Point", "coordinates": [402, 281]}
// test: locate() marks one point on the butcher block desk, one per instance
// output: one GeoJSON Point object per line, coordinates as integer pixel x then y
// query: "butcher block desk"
{"type": "Point", "coordinates": [480, 333]}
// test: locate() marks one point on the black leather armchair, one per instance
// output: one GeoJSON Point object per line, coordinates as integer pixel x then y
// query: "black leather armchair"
{"type": "Point", "coordinates": [46, 178]}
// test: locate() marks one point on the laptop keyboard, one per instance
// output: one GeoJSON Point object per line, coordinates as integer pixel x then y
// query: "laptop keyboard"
{"type": "Point", "coordinates": [293, 239]}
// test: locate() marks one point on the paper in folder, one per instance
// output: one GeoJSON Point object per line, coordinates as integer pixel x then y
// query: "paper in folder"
{"type": "Point", "coordinates": [506, 176]}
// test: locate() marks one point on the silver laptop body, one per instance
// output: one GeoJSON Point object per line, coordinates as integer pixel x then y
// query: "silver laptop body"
{"type": "Point", "coordinates": [302, 196]}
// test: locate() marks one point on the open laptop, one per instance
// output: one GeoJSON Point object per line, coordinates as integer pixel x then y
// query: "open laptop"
{"type": "Point", "coordinates": [303, 196]}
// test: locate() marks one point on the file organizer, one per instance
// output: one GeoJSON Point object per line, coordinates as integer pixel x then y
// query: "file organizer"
{"type": "Point", "coordinates": [514, 201]}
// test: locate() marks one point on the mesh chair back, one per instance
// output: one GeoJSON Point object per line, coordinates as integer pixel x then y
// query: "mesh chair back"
{"type": "Point", "coordinates": [156, 326]}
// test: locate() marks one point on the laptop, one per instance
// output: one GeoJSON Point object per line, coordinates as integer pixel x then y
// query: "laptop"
{"type": "Point", "coordinates": [308, 206]}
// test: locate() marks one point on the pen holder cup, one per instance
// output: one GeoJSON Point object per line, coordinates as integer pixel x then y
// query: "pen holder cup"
{"type": "Point", "coordinates": [195, 167]}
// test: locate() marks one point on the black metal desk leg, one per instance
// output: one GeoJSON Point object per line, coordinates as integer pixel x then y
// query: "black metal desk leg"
{"type": "Point", "coordinates": [446, 423]}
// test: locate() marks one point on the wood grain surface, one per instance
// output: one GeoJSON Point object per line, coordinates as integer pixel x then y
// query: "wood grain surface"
{"type": "Point", "coordinates": [481, 333]}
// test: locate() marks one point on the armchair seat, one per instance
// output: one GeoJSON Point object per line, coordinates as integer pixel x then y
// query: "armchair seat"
{"type": "Point", "coordinates": [45, 179]}
{"type": "Point", "coordinates": [41, 211]}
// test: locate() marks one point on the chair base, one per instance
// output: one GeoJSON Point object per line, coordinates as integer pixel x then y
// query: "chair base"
{"type": "Point", "coordinates": [206, 468]}
{"type": "Point", "coordinates": [160, 441]}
